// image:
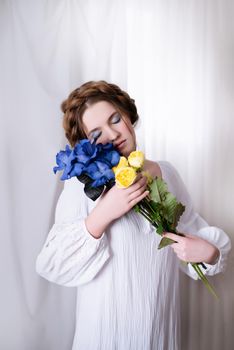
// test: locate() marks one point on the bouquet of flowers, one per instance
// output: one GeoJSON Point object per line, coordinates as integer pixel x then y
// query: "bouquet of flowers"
{"type": "Point", "coordinates": [100, 166]}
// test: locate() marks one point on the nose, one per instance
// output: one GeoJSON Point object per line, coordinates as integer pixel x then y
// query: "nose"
{"type": "Point", "coordinates": [112, 134]}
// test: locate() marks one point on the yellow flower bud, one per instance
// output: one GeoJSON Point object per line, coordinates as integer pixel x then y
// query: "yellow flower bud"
{"type": "Point", "coordinates": [125, 177]}
{"type": "Point", "coordinates": [136, 159]}
{"type": "Point", "coordinates": [123, 162]}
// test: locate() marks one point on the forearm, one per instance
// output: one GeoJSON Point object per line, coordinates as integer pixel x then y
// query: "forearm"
{"type": "Point", "coordinates": [96, 222]}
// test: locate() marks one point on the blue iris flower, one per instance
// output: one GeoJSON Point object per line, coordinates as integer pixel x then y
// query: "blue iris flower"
{"type": "Point", "coordinates": [93, 160]}
{"type": "Point", "coordinates": [100, 172]}
{"type": "Point", "coordinates": [112, 157]}
{"type": "Point", "coordinates": [85, 151]}
{"type": "Point", "coordinates": [62, 159]}
{"type": "Point", "coordinates": [66, 161]}
{"type": "Point", "coordinates": [108, 154]}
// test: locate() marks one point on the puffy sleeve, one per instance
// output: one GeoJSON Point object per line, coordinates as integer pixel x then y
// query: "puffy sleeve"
{"type": "Point", "coordinates": [71, 256]}
{"type": "Point", "coordinates": [192, 223]}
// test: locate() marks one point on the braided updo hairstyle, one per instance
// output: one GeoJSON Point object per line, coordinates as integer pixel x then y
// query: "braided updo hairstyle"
{"type": "Point", "coordinates": [86, 95]}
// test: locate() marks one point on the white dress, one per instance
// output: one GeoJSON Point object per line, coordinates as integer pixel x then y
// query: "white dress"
{"type": "Point", "coordinates": [127, 289]}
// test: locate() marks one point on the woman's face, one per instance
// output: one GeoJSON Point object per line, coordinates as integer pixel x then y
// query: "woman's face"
{"type": "Point", "coordinates": [105, 124]}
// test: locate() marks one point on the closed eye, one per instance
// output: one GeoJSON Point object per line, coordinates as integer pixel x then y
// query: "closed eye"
{"type": "Point", "coordinates": [96, 134]}
{"type": "Point", "coordinates": [116, 118]}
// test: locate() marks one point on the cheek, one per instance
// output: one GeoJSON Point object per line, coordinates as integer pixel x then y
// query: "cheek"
{"type": "Point", "coordinates": [130, 133]}
{"type": "Point", "coordinates": [128, 128]}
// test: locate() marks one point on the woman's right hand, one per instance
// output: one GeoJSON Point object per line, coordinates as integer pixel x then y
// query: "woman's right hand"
{"type": "Point", "coordinates": [118, 201]}
{"type": "Point", "coordinates": [115, 203]}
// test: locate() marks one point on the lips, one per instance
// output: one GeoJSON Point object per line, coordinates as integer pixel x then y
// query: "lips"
{"type": "Point", "coordinates": [118, 145]}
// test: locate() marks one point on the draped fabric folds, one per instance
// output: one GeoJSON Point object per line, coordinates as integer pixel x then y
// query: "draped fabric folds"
{"type": "Point", "coordinates": [175, 59]}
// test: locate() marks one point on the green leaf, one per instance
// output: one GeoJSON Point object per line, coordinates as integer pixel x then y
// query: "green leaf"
{"type": "Point", "coordinates": [170, 204]}
{"type": "Point", "coordinates": [160, 229]}
{"type": "Point", "coordinates": [165, 241]}
{"type": "Point", "coordinates": [179, 209]}
{"type": "Point", "coordinates": [136, 208]}
{"type": "Point", "coordinates": [158, 190]}
{"type": "Point", "coordinates": [156, 206]}
{"type": "Point", "coordinates": [173, 209]}
{"type": "Point", "coordinates": [165, 203]}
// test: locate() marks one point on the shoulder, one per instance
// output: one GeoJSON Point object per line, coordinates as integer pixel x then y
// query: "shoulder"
{"type": "Point", "coordinates": [167, 172]}
{"type": "Point", "coordinates": [174, 181]}
{"type": "Point", "coordinates": [153, 168]}
{"type": "Point", "coordinates": [162, 169]}
{"type": "Point", "coordinates": [167, 169]}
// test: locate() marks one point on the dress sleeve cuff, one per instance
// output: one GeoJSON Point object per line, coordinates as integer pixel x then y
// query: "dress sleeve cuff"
{"type": "Point", "coordinates": [221, 240]}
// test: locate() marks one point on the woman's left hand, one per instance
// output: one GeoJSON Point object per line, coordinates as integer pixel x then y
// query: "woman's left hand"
{"type": "Point", "coordinates": [193, 249]}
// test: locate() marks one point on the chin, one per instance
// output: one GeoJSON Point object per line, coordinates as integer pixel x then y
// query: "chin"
{"type": "Point", "coordinates": [126, 152]}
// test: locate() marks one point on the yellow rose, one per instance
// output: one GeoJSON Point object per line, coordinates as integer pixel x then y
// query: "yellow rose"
{"type": "Point", "coordinates": [123, 162]}
{"type": "Point", "coordinates": [136, 159]}
{"type": "Point", "coordinates": [124, 177]}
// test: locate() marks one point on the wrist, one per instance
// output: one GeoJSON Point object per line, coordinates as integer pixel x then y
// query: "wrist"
{"type": "Point", "coordinates": [96, 223]}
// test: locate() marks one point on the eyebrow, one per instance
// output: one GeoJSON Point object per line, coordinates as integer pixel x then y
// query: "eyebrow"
{"type": "Point", "coordinates": [99, 126]}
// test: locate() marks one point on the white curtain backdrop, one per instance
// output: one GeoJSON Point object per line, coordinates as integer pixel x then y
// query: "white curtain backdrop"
{"type": "Point", "coordinates": [175, 58]}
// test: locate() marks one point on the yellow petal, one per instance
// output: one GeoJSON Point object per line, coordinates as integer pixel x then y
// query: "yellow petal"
{"type": "Point", "coordinates": [125, 177]}
{"type": "Point", "coordinates": [123, 162]}
{"type": "Point", "coordinates": [136, 159]}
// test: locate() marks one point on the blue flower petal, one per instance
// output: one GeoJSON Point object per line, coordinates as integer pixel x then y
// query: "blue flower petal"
{"type": "Point", "coordinates": [113, 157]}
{"type": "Point", "coordinates": [109, 174]}
{"type": "Point", "coordinates": [99, 182]}
{"type": "Point", "coordinates": [102, 166]}
{"type": "Point", "coordinates": [92, 171]}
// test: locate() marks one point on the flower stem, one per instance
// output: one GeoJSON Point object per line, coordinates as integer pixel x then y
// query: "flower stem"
{"type": "Point", "coordinates": [145, 215]}
{"type": "Point", "coordinates": [204, 279]}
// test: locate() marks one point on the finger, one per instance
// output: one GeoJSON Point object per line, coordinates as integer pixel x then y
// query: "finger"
{"type": "Point", "coordinates": [138, 177]}
{"type": "Point", "coordinates": [177, 247]}
{"type": "Point", "coordinates": [182, 256]}
{"type": "Point", "coordinates": [173, 236]}
{"type": "Point", "coordinates": [138, 199]}
{"type": "Point", "coordinates": [135, 186]}
{"type": "Point", "coordinates": [179, 252]}
{"type": "Point", "coordinates": [137, 192]}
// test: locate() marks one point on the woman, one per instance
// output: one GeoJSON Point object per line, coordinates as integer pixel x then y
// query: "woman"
{"type": "Point", "coordinates": [127, 290]}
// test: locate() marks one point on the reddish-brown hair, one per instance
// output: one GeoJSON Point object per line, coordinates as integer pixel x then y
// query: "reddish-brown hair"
{"type": "Point", "coordinates": [86, 95]}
